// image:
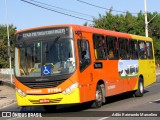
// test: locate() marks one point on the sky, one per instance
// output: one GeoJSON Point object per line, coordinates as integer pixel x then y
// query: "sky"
{"type": "Point", "coordinates": [23, 15]}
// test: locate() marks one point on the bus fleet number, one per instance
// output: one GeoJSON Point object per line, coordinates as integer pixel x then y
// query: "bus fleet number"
{"type": "Point", "coordinates": [54, 90]}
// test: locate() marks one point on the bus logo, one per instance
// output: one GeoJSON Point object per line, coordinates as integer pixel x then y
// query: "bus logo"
{"type": "Point", "coordinates": [6, 114]}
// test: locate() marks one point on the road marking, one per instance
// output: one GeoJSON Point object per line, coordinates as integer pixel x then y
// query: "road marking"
{"type": "Point", "coordinates": [154, 101]}
{"type": "Point", "coordinates": [103, 118]}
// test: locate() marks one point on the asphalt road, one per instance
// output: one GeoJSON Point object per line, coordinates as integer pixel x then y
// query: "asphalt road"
{"type": "Point", "coordinates": [117, 106]}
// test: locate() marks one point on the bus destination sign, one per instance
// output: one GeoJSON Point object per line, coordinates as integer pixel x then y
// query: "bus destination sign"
{"type": "Point", "coordinates": [43, 33]}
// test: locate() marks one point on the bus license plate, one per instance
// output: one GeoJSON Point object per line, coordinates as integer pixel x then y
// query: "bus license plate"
{"type": "Point", "coordinates": [44, 101]}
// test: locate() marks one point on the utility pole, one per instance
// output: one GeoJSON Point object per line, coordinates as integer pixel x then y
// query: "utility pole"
{"type": "Point", "coordinates": [146, 21]}
{"type": "Point", "coordinates": [8, 48]}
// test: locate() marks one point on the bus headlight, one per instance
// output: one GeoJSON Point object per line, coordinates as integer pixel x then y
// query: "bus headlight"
{"type": "Point", "coordinates": [21, 92]}
{"type": "Point", "coordinates": [70, 88]}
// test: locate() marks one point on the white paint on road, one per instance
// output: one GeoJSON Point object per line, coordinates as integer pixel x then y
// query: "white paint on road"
{"type": "Point", "coordinates": [103, 118]}
{"type": "Point", "coordinates": [154, 101]}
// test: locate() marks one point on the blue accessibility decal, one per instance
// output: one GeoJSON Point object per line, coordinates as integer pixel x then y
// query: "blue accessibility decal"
{"type": "Point", "coordinates": [46, 70]}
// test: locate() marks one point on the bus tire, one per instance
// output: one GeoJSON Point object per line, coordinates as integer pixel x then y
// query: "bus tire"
{"type": "Point", "coordinates": [99, 98]}
{"type": "Point", "coordinates": [140, 91]}
{"type": "Point", "coordinates": [50, 108]}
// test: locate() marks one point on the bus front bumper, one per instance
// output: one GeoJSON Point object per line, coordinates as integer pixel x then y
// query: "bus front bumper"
{"type": "Point", "coordinates": [49, 99]}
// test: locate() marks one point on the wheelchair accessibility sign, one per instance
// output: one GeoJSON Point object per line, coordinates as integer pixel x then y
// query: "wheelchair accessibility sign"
{"type": "Point", "coordinates": [46, 70]}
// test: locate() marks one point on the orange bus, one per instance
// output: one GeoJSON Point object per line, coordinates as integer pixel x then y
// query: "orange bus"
{"type": "Point", "coordinates": [66, 64]}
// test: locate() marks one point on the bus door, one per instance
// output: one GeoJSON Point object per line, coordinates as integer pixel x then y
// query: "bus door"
{"type": "Point", "coordinates": [85, 68]}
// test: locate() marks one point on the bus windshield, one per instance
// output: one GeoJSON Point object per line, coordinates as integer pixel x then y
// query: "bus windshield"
{"type": "Point", "coordinates": [45, 58]}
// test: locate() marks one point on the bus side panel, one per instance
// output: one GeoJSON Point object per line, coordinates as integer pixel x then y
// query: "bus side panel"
{"type": "Point", "coordinates": [147, 66]}
{"type": "Point", "coordinates": [108, 74]}
{"type": "Point", "coordinates": [147, 70]}
{"type": "Point", "coordinates": [114, 84]}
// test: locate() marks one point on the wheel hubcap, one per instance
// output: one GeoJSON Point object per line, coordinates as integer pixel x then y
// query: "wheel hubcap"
{"type": "Point", "coordinates": [98, 95]}
{"type": "Point", "coordinates": [141, 87]}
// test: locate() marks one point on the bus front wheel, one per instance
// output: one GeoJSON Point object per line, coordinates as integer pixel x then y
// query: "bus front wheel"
{"type": "Point", "coordinates": [139, 92]}
{"type": "Point", "coordinates": [99, 98]}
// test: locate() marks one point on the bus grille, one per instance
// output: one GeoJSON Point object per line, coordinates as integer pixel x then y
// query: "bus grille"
{"type": "Point", "coordinates": [46, 84]}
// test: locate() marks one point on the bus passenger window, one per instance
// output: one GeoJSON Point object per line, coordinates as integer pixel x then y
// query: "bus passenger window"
{"type": "Point", "coordinates": [112, 47]}
{"type": "Point", "coordinates": [149, 50]}
{"type": "Point", "coordinates": [133, 49]}
{"type": "Point", "coordinates": [123, 48]}
{"type": "Point", "coordinates": [111, 54]}
{"type": "Point", "coordinates": [99, 47]}
{"type": "Point", "coordinates": [142, 50]}
{"type": "Point", "coordinates": [84, 54]}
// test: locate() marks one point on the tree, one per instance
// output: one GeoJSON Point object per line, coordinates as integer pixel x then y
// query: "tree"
{"type": "Point", "coordinates": [4, 61]}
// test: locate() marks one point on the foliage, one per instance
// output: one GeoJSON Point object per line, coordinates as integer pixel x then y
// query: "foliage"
{"type": "Point", "coordinates": [133, 24]}
{"type": "Point", "coordinates": [4, 61]}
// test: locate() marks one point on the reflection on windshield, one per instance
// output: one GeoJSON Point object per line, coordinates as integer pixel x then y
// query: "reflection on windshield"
{"type": "Point", "coordinates": [45, 58]}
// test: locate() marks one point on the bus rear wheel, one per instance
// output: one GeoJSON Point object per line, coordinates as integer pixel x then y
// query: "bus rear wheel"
{"type": "Point", "coordinates": [140, 91]}
{"type": "Point", "coordinates": [99, 98]}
